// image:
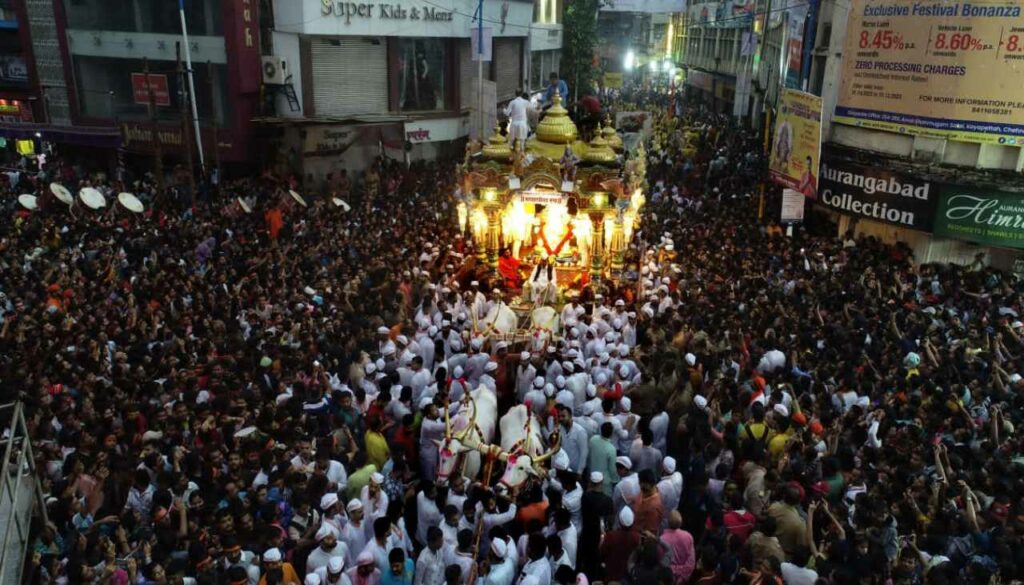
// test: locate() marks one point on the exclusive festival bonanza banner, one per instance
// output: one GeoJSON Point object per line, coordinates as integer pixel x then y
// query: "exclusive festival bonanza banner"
{"type": "Point", "coordinates": [796, 144]}
{"type": "Point", "coordinates": [948, 69]}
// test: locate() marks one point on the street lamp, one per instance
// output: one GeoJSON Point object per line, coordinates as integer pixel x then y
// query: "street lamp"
{"type": "Point", "coordinates": [629, 61]}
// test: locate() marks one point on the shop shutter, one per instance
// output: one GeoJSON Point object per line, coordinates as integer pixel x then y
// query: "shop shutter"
{"type": "Point", "coordinates": [349, 76]}
{"type": "Point", "coordinates": [468, 73]}
{"type": "Point", "coordinates": [508, 67]}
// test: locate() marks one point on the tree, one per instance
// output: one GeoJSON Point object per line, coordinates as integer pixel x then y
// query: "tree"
{"type": "Point", "coordinates": [579, 37]}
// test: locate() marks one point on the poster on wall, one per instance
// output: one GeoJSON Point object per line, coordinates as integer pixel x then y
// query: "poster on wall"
{"type": "Point", "coordinates": [792, 206]}
{"type": "Point", "coordinates": [951, 69]}
{"type": "Point", "coordinates": [877, 193]}
{"type": "Point", "coordinates": [985, 216]}
{"type": "Point", "coordinates": [796, 143]}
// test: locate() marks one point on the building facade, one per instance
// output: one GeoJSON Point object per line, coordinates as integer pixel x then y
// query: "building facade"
{"type": "Point", "coordinates": [966, 186]}
{"type": "Point", "coordinates": [76, 70]}
{"type": "Point", "coordinates": [400, 78]}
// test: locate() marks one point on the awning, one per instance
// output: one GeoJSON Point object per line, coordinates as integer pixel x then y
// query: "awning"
{"type": "Point", "coordinates": [98, 136]}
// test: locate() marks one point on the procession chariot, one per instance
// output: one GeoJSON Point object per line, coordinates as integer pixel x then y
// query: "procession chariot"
{"type": "Point", "coordinates": [551, 216]}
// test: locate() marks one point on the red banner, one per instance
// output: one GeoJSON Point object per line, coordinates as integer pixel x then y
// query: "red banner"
{"type": "Point", "coordinates": [158, 85]}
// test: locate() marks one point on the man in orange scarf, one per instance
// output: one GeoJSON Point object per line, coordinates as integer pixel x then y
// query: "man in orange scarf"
{"type": "Point", "coordinates": [508, 266]}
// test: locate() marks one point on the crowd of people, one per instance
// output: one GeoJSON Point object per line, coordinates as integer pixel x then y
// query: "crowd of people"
{"type": "Point", "coordinates": [254, 398]}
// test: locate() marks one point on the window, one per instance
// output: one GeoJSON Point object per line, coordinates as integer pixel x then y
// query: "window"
{"type": "Point", "coordinates": [150, 16]}
{"type": "Point", "coordinates": [421, 74]}
{"type": "Point", "coordinates": [105, 90]}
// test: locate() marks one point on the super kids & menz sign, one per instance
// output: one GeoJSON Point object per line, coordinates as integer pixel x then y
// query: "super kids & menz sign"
{"type": "Point", "coordinates": [383, 11]}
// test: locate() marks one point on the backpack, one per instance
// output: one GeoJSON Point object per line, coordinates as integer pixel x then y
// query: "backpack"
{"type": "Point", "coordinates": [754, 448]}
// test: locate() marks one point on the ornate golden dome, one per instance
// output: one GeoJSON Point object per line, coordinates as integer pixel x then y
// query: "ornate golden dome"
{"type": "Point", "coordinates": [497, 147]}
{"type": "Point", "coordinates": [598, 150]}
{"type": "Point", "coordinates": [611, 136]}
{"type": "Point", "coordinates": [556, 127]}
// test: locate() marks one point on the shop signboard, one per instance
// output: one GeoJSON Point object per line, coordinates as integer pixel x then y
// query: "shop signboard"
{"type": "Point", "coordinates": [984, 216]}
{"type": "Point", "coordinates": [402, 18]}
{"type": "Point", "coordinates": [946, 69]}
{"type": "Point", "coordinates": [878, 194]}
{"type": "Point", "coordinates": [157, 84]}
{"type": "Point", "coordinates": [645, 6]}
{"type": "Point", "coordinates": [436, 130]}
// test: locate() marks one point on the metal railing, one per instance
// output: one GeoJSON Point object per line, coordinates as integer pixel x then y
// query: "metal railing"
{"type": "Point", "coordinates": [17, 472]}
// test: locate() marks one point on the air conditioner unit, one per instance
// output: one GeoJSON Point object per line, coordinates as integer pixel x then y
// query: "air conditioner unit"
{"type": "Point", "coordinates": [275, 70]}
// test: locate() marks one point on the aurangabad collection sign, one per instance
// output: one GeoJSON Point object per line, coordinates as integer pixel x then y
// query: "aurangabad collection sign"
{"type": "Point", "coordinates": [878, 194]}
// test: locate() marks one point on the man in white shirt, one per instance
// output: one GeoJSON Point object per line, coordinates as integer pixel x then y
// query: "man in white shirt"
{"type": "Point", "coordinates": [431, 563]}
{"type": "Point", "coordinates": [537, 565]}
{"type": "Point", "coordinates": [502, 569]}
{"type": "Point", "coordinates": [354, 532]}
{"type": "Point", "coordinates": [427, 514]}
{"type": "Point", "coordinates": [333, 573]}
{"type": "Point", "coordinates": [670, 487]}
{"type": "Point", "coordinates": [518, 113]}
{"type": "Point", "coordinates": [328, 547]}
{"type": "Point", "coordinates": [796, 572]}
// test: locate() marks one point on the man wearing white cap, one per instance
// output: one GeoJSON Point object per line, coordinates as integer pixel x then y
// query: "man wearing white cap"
{"type": "Point", "coordinates": [364, 571]}
{"type": "Point", "coordinates": [525, 374]}
{"type": "Point", "coordinates": [597, 510]}
{"type": "Point", "coordinates": [356, 531]}
{"type": "Point", "coordinates": [476, 361]}
{"type": "Point", "coordinates": [487, 378]}
{"type": "Point", "coordinates": [628, 489]}
{"type": "Point", "coordinates": [329, 510]}
{"type": "Point", "coordinates": [273, 564]}
{"type": "Point", "coordinates": [501, 570]}
{"type": "Point", "coordinates": [333, 573]}
{"type": "Point", "coordinates": [670, 487]}
{"type": "Point", "coordinates": [618, 546]}
{"type": "Point", "coordinates": [375, 501]}
{"type": "Point", "coordinates": [328, 547]}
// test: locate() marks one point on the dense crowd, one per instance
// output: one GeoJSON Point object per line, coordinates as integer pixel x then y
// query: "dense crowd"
{"type": "Point", "coordinates": [223, 397]}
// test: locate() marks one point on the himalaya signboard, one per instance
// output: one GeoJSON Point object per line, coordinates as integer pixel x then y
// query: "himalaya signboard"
{"type": "Point", "coordinates": [877, 194]}
{"type": "Point", "coordinates": [990, 217]}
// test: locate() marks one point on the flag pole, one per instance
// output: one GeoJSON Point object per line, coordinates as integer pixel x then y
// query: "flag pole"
{"type": "Point", "coordinates": [191, 87]}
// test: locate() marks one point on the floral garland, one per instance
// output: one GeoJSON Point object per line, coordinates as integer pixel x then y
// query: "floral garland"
{"type": "Point", "coordinates": [561, 244]}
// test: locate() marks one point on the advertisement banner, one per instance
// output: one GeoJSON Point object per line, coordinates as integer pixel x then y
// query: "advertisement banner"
{"type": "Point", "coordinates": [736, 14]}
{"type": "Point", "coordinates": [951, 69]}
{"type": "Point", "coordinates": [792, 206]}
{"type": "Point", "coordinates": [878, 194]}
{"type": "Point", "coordinates": [158, 83]}
{"type": "Point", "coordinates": [796, 17]}
{"type": "Point", "coordinates": [703, 14]}
{"type": "Point", "coordinates": [647, 6]}
{"type": "Point", "coordinates": [985, 216]}
{"type": "Point", "coordinates": [613, 80]}
{"type": "Point", "coordinates": [796, 145]}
